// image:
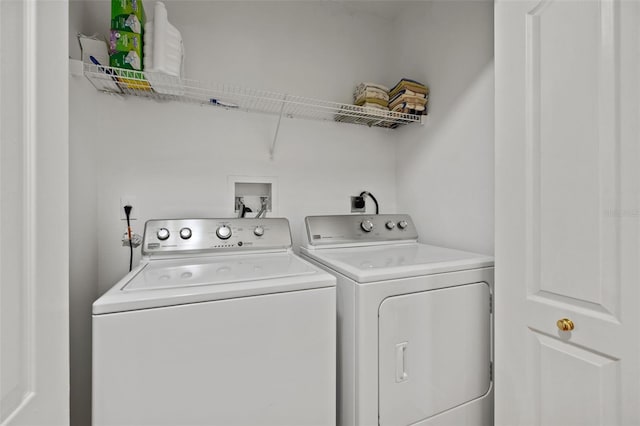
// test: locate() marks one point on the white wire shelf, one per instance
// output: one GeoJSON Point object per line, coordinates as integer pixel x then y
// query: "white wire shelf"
{"type": "Point", "coordinates": [164, 87]}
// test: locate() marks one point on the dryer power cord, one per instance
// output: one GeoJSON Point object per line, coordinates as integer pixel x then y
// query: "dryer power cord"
{"type": "Point", "coordinates": [127, 212]}
{"type": "Point", "coordinates": [365, 194]}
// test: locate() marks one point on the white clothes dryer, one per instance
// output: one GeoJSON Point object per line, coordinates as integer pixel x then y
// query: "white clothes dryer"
{"type": "Point", "coordinates": [220, 324]}
{"type": "Point", "coordinates": [414, 323]}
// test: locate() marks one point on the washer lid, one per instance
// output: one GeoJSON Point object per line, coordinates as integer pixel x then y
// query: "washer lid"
{"type": "Point", "coordinates": [391, 261]}
{"type": "Point", "coordinates": [178, 281]}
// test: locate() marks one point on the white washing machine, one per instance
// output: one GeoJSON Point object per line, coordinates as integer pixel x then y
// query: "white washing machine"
{"type": "Point", "coordinates": [414, 323]}
{"type": "Point", "coordinates": [220, 324]}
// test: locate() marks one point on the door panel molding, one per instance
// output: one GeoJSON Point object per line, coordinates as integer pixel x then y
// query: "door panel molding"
{"type": "Point", "coordinates": [602, 295]}
{"type": "Point", "coordinates": [24, 388]}
{"type": "Point", "coordinates": [30, 205]}
{"type": "Point", "coordinates": [34, 207]}
{"type": "Point", "coordinates": [575, 305]}
{"type": "Point", "coordinates": [566, 374]}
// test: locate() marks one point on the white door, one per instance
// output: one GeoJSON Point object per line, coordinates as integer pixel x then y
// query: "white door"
{"type": "Point", "coordinates": [567, 212]}
{"type": "Point", "coordinates": [34, 366]}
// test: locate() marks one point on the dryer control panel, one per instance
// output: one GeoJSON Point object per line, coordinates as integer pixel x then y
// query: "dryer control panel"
{"type": "Point", "coordinates": [345, 229]}
{"type": "Point", "coordinates": [175, 236]}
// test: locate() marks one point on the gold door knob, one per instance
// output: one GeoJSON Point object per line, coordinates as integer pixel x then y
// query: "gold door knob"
{"type": "Point", "coordinates": [565, 324]}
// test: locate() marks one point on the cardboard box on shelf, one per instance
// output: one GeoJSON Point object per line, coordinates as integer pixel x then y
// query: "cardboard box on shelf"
{"type": "Point", "coordinates": [94, 46]}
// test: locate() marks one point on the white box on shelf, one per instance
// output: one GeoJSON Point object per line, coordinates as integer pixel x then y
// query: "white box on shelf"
{"type": "Point", "coordinates": [163, 47]}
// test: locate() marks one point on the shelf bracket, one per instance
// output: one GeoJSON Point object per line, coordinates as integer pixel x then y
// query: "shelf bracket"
{"type": "Point", "coordinates": [275, 136]}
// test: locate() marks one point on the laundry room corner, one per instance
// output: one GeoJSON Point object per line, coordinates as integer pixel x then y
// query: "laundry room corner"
{"type": "Point", "coordinates": [444, 169]}
{"type": "Point", "coordinates": [83, 254]}
{"type": "Point", "coordinates": [83, 239]}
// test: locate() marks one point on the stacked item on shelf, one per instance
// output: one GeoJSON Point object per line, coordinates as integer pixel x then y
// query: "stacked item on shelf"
{"type": "Point", "coordinates": [136, 45]}
{"type": "Point", "coordinates": [125, 40]}
{"type": "Point", "coordinates": [163, 47]}
{"type": "Point", "coordinates": [163, 53]}
{"type": "Point", "coordinates": [371, 95]}
{"type": "Point", "coordinates": [125, 45]}
{"type": "Point", "coordinates": [409, 97]}
{"type": "Point", "coordinates": [365, 95]}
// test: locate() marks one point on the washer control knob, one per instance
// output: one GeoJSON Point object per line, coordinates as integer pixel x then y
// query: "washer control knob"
{"type": "Point", "coordinates": [223, 232]}
{"type": "Point", "coordinates": [402, 224]}
{"type": "Point", "coordinates": [366, 225]}
{"type": "Point", "coordinates": [390, 225]}
{"type": "Point", "coordinates": [162, 234]}
{"type": "Point", "coordinates": [185, 233]}
{"type": "Point", "coordinates": [258, 231]}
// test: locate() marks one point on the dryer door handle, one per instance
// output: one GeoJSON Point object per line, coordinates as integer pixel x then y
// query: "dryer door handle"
{"type": "Point", "coordinates": [401, 359]}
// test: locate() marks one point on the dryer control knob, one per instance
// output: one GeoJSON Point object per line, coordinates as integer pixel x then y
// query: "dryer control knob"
{"type": "Point", "coordinates": [258, 231]}
{"type": "Point", "coordinates": [402, 224]}
{"type": "Point", "coordinates": [223, 232]}
{"type": "Point", "coordinates": [390, 225]}
{"type": "Point", "coordinates": [366, 225]}
{"type": "Point", "coordinates": [162, 234]}
{"type": "Point", "coordinates": [185, 233]}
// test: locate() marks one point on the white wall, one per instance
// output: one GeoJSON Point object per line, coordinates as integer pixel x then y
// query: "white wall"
{"type": "Point", "coordinates": [176, 158]}
{"type": "Point", "coordinates": [445, 169]}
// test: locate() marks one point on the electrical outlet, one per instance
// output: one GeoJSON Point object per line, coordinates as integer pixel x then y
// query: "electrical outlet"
{"type": "Point", "coordinates": [357, 204]}
{"type": "Point", "coordinates": [129, 201]}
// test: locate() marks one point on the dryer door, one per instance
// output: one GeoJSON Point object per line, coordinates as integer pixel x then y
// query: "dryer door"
{"type": "Point", "coordinates": [434, 352]}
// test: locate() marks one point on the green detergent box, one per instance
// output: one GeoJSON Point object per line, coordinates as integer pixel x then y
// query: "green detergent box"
{"type": "Point", "coordinates": [130, 23]}
{"type": "Point", "coordinates": [125, 50]}
{"type": "Point", "coordinates": [128, 15]}
{"type": "Point", "coordinates": [125, 42]}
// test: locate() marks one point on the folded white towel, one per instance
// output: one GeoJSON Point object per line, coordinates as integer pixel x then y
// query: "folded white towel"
{"type": "Point", "coordinates": [371, 95]}
{"type": "Point", "coordinates": [370, 90]}
{"type": "Point", "coordinates": [374, 86]}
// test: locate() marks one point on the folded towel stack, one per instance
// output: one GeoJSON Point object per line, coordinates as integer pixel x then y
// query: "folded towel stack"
{"type": "Point", "coordinates": [371, 95]}
{"type": "Point", "coordinates": [409, 97]}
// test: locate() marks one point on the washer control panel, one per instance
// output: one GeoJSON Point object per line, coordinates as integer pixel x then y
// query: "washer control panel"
{"type": "Point", "coordinates": [174, 236]}
{"type": "Point", "coordinates": [341, 229]}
